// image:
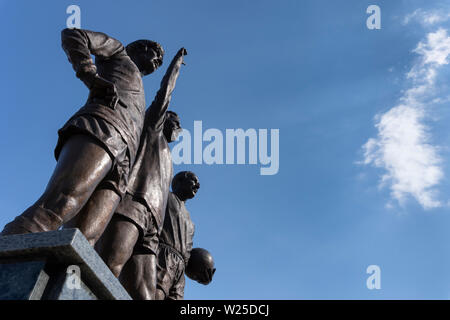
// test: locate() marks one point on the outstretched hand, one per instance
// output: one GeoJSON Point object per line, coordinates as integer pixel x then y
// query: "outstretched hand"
{"type": "Point", "coordinates": [182, 52]}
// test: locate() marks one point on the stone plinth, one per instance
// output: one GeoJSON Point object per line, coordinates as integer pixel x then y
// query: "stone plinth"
{"type": "Point", "coordinates": [56, 265]}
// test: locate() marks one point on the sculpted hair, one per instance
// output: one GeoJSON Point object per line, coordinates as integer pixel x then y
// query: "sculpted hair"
{"type": "Point", "coordinates": [139, 45]}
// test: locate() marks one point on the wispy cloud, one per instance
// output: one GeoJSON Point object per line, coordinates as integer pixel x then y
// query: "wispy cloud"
{"type": "Point", "coordinates": [427, 18]}
{"type": "Point", "coordinates": [402, 147]}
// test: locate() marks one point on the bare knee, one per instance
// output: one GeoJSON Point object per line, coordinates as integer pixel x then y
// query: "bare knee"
{"type": "Point", "coordinates": [118, 244]}
{"type": "Point", "coordinates": [115, 259]}
{"type": "Point", "coordinates": [81, 167]}
{"type": "Point", "coordinates": [96, 214]}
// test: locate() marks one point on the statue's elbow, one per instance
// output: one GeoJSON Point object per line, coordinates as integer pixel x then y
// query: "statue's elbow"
{"type": "Point", "coordinates": [68, 33]}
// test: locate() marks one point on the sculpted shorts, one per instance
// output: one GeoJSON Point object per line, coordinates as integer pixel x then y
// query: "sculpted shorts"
{"type": "Point", "coordinates": [170, 272]}
{"type": "Point", "coordinates": [133, 209]}
{"type": "Point", "coordinates": [110, 138]}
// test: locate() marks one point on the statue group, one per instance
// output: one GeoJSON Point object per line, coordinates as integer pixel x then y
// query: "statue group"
{"type": "Point", "coordinates": [114, 171]}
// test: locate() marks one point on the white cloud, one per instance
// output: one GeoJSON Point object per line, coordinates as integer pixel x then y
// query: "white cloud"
{"type": "Point", "coordinates": [402, 147]}
{"type": "Point", "coordinates": [435, 50]}
{"type": "Point", "coordinates": [427, 18]}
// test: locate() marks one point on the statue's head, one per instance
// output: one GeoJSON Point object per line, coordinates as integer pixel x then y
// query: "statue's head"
{"type": "Point", "coordinates": [147, 55]}
{"type": "Point", "coordinates": [172, 126]}
{"type": "Point", "coordinates": [200, 267]}
{"type": "Point", "coordinates": [185, 185]}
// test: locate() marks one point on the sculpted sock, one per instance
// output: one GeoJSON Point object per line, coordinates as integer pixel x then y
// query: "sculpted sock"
{"type": "Point", "coordinates": [34, 219]}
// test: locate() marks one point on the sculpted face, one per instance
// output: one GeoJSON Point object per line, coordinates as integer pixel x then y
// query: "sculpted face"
{"type": "Point", "coordinates": [191, 186]}
{"type": "Point", "coordinates": [149, 61]}
{"type": "Point", "coordinates": [188, 186]}
{"type": "Point", "coordinates": [146, 54]}
{"type": "Point", "coordinates": [172, 127]}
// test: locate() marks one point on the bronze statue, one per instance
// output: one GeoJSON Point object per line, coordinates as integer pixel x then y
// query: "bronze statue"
{"type": "Point", "coordinates": [175, 254]}
{"type": "Point", "coordinates": [97, 146]}
{"type": "Point", "coordinates": [175, 245]}
{"type": "Point", "coordinates": [132, 234]}
{"type": "Point", "coordinates": [114, 169]}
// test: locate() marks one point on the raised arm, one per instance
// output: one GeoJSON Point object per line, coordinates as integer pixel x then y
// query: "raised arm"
{"type": "Point", "coordinates": [80, 44]}
{"type": "Point", "coordinates": [156, 112]}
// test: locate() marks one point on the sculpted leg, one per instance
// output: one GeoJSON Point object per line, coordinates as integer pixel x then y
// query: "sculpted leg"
{"type": "Point", "coordinates": [82, 164]}
{"type": "Point", "coordinates": [117, 243]}
{"type": "Point", "coordinates": [139, 276]}
{"type": "Point", "coordinates": [96, 214]}
{"type": "Point", "coordinates": [160, 295]}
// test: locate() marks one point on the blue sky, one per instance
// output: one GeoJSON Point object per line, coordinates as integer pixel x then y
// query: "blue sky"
{"type": "Point", "coordinates": [314, 71]}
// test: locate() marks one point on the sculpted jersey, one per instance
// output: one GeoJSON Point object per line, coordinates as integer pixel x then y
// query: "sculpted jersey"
{"type": "Point", "coordinates": [178, 229]}
{"type": "Point", "coordinates": [113, 64]}
{"type": "Point", "coordinates": [152, 172]}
